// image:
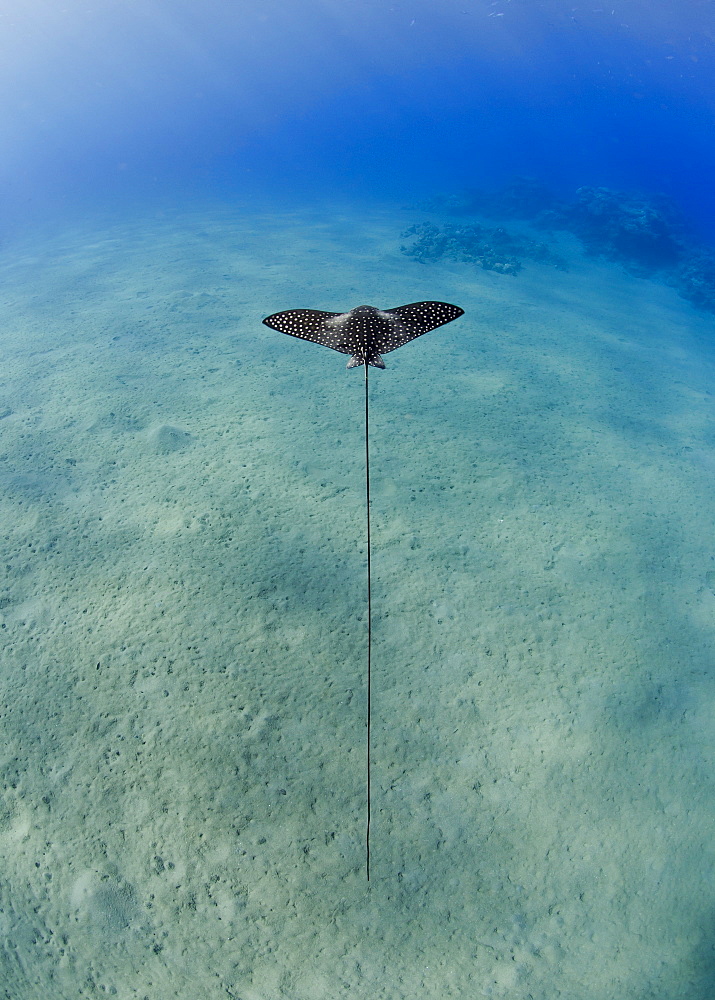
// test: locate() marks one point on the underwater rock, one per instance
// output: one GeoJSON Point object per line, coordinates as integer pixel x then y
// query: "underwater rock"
{"type": "Point", "coordinates": [492, 249]}
{"type": "Point", "coordinates": [644, 233]}
{"type": "Point", "coordinates": [694, 279]}
{"type": "Point", "coordinates": [631, 228]}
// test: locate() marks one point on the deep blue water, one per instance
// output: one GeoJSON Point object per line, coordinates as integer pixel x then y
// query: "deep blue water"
{"type": "Point", "coordinates": [110, 101]}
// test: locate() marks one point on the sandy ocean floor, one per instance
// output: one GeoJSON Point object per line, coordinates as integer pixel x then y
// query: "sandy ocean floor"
{"type": "Point", "coordinates": [182, 602]}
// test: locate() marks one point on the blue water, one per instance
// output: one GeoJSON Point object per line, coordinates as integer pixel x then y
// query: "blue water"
{"type": "Point", "coordinates": [182, 502]}
{"type": "Point", "coordinates": [374, 99]}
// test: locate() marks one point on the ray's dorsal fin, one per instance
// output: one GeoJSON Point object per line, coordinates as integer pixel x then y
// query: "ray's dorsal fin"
{"type": "Point", "coordinates": [364, 332]}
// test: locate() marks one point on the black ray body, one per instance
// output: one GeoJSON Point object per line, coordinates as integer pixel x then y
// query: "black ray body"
{"type": "Point", "coordinates": [365, 333]}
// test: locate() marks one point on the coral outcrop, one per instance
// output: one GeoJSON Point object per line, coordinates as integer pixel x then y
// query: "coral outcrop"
{"type": "Point", "coordinates": [643, 232]}
{"type": "Point", "coordinates": [492, 249]}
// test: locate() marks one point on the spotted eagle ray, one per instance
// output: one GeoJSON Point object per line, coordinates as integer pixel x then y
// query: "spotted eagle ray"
{"type": "Point", "coordinates": [365, 333]}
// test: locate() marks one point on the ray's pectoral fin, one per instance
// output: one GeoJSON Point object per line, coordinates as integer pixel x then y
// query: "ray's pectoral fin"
{"type": "Point", "coordinates": [416, 318]}
{"type": "Point", "coordinates": [306, 324]}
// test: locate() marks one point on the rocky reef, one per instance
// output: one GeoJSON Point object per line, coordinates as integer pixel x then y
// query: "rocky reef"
{"type": "Point", "coordinates": [643, 232]}
{"type": "Point", "coordinates": [631, 228]}
{"type": "Point", "coordinates": [694, 278]}
{"type": "Point", "coordinates": [491, 249]}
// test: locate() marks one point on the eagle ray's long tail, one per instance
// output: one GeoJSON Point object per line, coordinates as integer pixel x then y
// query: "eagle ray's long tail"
{"type": "Point", "coordinates": [369, 620]}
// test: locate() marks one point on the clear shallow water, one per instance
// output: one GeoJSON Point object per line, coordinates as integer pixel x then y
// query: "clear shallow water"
{"type": "Point", "coordinates": [183, 611]}
{"type": "Point", "coordinates": [182, 600]}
